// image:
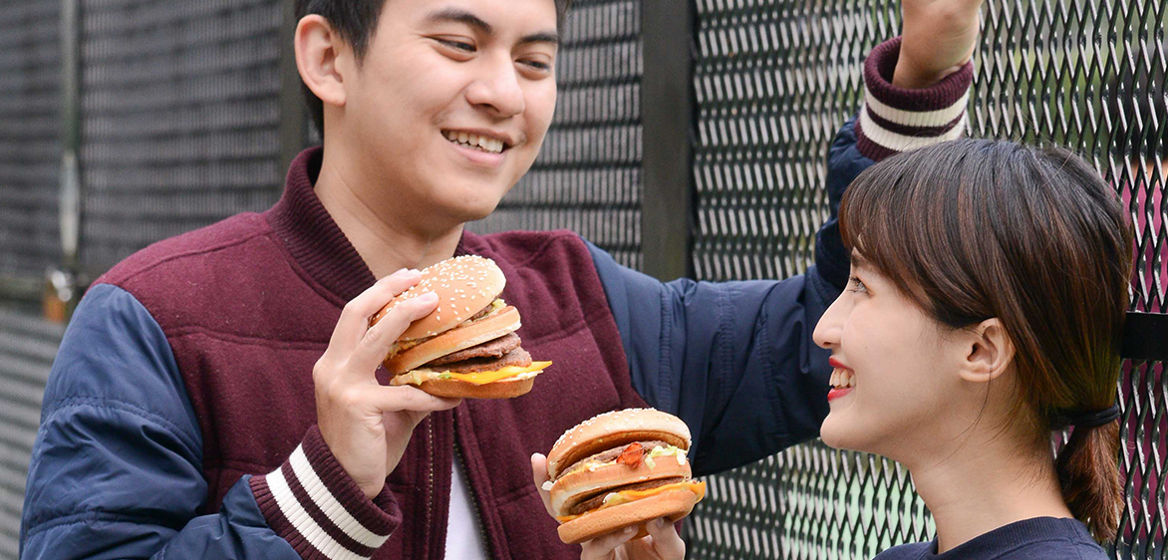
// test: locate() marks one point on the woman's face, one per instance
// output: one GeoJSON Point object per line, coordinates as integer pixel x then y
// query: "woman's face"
{"type": "Point", "coordinates": [896, 386]}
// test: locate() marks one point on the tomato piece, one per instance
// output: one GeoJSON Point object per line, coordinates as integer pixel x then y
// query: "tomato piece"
{"type": "Point", "coordinates": [632, 455]}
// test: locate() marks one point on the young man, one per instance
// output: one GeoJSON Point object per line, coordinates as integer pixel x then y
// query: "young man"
{"type": "Point", "coordinates": [217, 394]}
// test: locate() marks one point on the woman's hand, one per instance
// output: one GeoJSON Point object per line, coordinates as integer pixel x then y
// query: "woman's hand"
{"type": "Point", "coordinates": [938, 39]}
{"type": "Point", "coordinates": [366, 425]}
{"type": "Point", "coordinates": [662, 542]}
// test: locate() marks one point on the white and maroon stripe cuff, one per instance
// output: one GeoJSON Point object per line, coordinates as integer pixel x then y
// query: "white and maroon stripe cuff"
{"type": "Point", "coordinates": [313, 504]}
{"type": "Point", "coordinates": [895, 119]}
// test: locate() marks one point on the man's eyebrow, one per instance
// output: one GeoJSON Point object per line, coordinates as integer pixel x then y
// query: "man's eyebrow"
{"type": "Point", "coordinates": [543, 37]}
{"type": "Point", "coordinates": [462, 16]}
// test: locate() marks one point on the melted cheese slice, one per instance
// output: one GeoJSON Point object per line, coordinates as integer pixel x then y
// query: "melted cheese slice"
{"type": "Point", "coordinates": [419, 376]}
{"type": "Point", "coordinates": [625, 496]}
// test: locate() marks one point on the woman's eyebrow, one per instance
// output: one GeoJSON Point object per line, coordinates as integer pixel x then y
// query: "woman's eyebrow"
{"type": "Point", "coordinates": [858, 260]}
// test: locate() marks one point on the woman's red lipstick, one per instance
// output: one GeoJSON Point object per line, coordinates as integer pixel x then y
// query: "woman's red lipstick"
{"type": "Point", "coordinates": [840, 369]}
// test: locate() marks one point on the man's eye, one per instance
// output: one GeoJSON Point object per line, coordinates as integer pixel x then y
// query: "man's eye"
{"type": "Point", "coordinates": [459, 45]}
{"type": "Point", "coordinates": [856, 285]}
{"type": "Point", "coordinates": [536, 64]}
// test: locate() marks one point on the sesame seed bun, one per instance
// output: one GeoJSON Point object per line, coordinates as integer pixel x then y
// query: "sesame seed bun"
{"type": "Point", "coordinates": [453, 340]}
{"type": "Point", "coordinates": [672, 505]}
{"type": "Point", "coordinates": [464, 285]}
{"type": "Point", "coordinates": [453, 388]}
{"type": "Point", "coordinates": [612, 429]}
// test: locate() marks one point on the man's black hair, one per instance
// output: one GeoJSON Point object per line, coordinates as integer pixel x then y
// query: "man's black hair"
{"type": "Point", "coordinates": [355, 21]}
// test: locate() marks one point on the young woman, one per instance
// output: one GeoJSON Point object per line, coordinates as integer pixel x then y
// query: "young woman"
{"type": "Point", "coordinates": [984, 310]}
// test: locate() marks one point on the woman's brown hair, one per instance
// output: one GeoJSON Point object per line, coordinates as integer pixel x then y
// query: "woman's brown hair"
{"type": "Point", "coordinates": [975, 229]}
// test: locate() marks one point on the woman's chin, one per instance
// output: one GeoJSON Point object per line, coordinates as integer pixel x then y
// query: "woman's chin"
{"type": "Point", "coordinates": [837, 434]}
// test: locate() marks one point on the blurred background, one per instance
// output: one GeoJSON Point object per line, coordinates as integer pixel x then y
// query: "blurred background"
{"type": "Point", "coordinates": [126, 121]}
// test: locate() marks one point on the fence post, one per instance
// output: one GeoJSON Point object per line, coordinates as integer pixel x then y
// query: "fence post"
{"type": "Point", "coordinates": [293, 113]}
{"type": "Point", "coordinates": [667, 116]}
{"type": "Point", "coordinates": [61, 282]}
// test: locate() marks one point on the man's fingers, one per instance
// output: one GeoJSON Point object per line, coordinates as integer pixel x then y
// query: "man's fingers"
{"type": "Point", "coordinates": [666, 541]}
{"type": "Point", "coordinates": [539, 475]}
{"type": "Point", "coordinates": [396, 399]}
{"type": "Point", "coordinates": [354, 319]}
{"type": "Point", "coordinates": [601, 548]}
{"type": "Point", "coordinates": [379, 338]}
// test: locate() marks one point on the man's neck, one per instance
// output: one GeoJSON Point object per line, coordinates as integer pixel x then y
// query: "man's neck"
{"type": "Point", "coordinates": [387, 239]}
{"type": "Point", "coordinates": [986, 484]}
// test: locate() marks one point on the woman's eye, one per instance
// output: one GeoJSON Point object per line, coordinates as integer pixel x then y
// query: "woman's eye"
{"type": "Point", "coordinates": [856, 285]}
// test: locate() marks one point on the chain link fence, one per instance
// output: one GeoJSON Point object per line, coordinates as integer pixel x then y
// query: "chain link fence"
{"type": "Point", "coordinates": [184, 121]}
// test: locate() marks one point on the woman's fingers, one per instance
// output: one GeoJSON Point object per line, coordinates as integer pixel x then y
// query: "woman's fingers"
{"type": "Point", "coordinates": [539, 476]}
{"type": "Point", "coordinates": [666, 541]}
{"type": "Point", "coordinates": [604, 547]}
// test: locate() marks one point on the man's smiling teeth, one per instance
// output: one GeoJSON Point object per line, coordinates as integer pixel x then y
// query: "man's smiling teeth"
{"type": "Point", "coordinates": [842, 378]}
{"type": "Point", "coordinates": [475, 141]}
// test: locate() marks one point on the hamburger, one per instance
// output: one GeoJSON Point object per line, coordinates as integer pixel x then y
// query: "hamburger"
{"type": "Point", "coordinates": [620, 469]}
{"type": "Point", "coordinates": [467, 347]}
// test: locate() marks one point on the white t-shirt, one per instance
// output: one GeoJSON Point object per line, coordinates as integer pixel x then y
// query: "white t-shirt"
{"type": "Point", "coordinates": [464, 536]}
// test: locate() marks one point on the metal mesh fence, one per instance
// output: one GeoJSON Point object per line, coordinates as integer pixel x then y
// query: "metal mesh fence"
{"type": "Point", "coordinates": [181, 110]}
{"type": "Point", "coordinates": [774, 80]}
{"type": "Point", "coordinates": [180, 105]}
{"type": "Point", "coordinates": [587, 177]}
{"type": "Point", "coordinates": [30, 146]}
{"type": "Point", "coordinates": [27, 347]}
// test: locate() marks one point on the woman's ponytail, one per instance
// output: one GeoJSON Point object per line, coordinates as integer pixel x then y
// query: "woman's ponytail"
{"type": "Point", "coordinates": [1088, 472]}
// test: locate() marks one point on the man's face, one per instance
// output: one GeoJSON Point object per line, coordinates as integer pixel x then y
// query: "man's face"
{"type": "Point", "coordinates": [449, 106]}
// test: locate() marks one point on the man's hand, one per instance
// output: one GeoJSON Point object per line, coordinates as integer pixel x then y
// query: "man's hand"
{"type": "Point", "coordinates": [365, 424]}
{"type": "Point", "coordinates": [938, 38]}
{"type": "Point", "coordinates": [662, 542]}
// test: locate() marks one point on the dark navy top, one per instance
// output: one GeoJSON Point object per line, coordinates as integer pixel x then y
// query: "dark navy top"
{"type": "Point", "coordinates": [1040, 538]}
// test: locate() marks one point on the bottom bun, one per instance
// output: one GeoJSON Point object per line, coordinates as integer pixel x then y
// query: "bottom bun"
{"type": "Point", "coordinates": [671, 504]}
{"type": "Point", "coordinates": [455, 389]}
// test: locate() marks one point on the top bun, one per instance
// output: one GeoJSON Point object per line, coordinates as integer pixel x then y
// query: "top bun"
{"type": "Point", "coordinates": [612, 429]}
{"type": "Point", "coordinates": [464, 285]}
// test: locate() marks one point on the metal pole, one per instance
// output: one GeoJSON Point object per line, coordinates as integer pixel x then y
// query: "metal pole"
{"type": "Point", "coordinates": [293, 113]}
{"type": "Point", "coordinates": [61, 282]}
{"type": "Point", "coordinates": [668, 115]}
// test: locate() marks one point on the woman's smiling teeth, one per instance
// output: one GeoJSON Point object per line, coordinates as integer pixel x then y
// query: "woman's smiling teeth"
{"type": "Point", "coordinates": [484, 143]}
{"type": "Point", "coordinates": [842, 378]}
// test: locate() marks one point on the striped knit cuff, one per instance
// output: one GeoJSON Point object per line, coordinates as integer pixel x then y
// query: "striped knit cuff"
{"type": "Point", "coordinates": [311, 502]}
{"type": "Point", "coordinates": [896, 119]}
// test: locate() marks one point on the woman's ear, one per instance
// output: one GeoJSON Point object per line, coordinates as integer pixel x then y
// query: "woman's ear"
{"type": "Point", "coordinates": [318, 49]}
{"type": "Point", "coordinates": [989, 351]}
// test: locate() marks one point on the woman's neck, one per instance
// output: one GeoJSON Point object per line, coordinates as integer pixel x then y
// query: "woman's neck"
{"type": "Point", "coordinates": [985, 485]}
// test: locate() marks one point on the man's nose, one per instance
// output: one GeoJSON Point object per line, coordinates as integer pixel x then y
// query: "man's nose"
{"type": "Point", "coordinates": [498, 90]}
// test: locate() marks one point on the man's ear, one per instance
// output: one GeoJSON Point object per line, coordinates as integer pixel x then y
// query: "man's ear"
{"type": "Point", "coordinates": [989, 351]}
{"type": "Point", "coordinates": [319, 49]}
